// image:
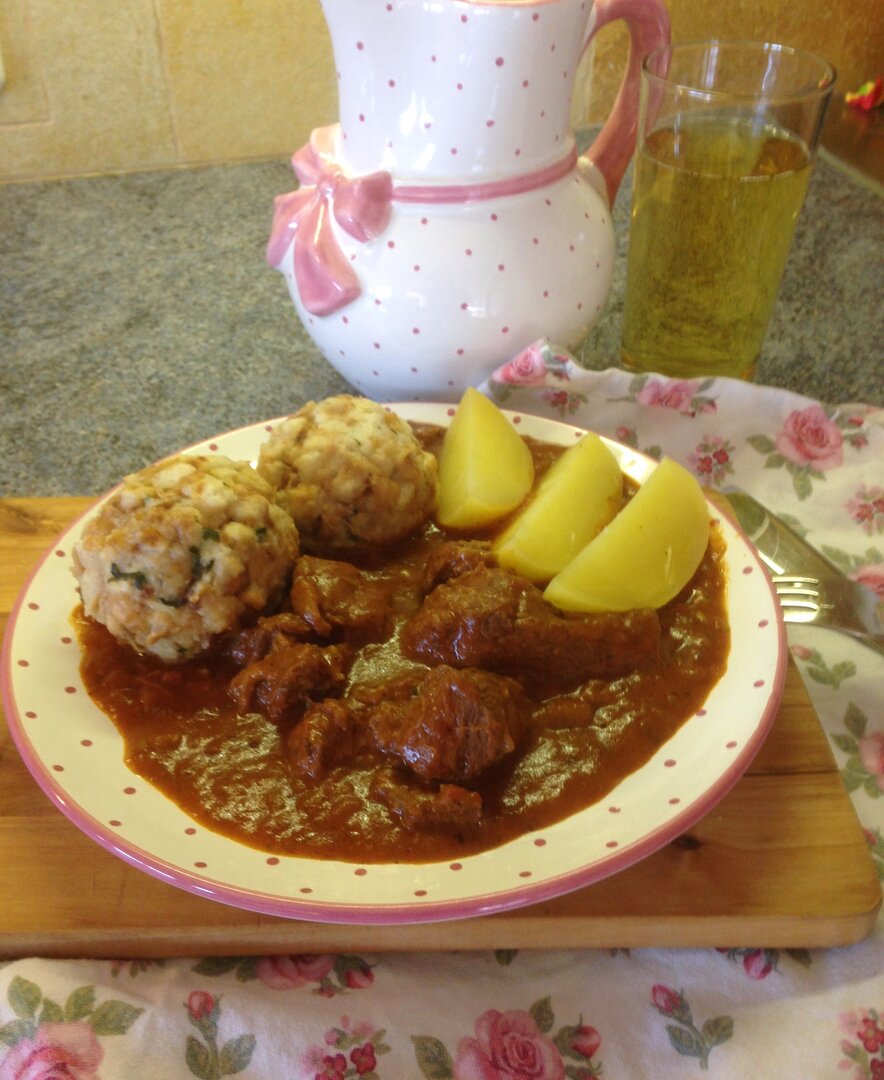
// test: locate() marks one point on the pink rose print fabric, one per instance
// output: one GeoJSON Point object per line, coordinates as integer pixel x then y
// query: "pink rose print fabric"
{"type": "Point", "coordinates": [809, 437]}
{"type": "Point", "coordinates": [288, 972]}
{"type": "Point", "coordinates": [59, 1038]}
{"type": "Point", "coordinates": [55, 1050]}
{"type": "Point", "coordinates": [507, 1045]}
{"type": "Point", "coordinates": [514, 1045]}
{"type": "Point", "coordinates": [745, 1009]}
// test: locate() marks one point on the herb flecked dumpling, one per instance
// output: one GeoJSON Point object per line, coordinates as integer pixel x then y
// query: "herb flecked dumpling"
{"type": "Point", "coordinates": [182, 552]}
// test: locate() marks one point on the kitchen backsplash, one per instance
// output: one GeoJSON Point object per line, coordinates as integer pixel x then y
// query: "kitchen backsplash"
{"type": "Point", "coordinates": [99, 87]}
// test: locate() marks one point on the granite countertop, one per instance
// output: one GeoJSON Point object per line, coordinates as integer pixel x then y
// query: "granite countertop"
{"type": "Point", "coordinates": [137, 315]}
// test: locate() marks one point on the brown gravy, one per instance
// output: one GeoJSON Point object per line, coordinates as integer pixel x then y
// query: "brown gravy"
{"type": "Point", "coordinates": [230, 770]}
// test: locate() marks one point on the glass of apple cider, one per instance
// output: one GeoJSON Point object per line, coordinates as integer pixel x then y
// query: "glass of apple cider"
{"type": "Point", "coordinates": [726, 142]}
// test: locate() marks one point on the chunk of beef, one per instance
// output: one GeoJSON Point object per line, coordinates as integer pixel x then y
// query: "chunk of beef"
{"type": "Point", "coordinates": [336, 597]}
{"type": "Point", "coordinates": [491, 618]}
{"type": "Point", "coordinates": [457, 725]}
{"type": "Point", "coordinates": [284, 681]}
{"type": "Point", "coordinates": [255, 642]}
{"type": "Point", "coordinates": [323, 737]}
{"type": "Point", "coordinates": [453, 558]}
{"type": "Point", "coordinates": [395, 688]}
{"type": "Point", "coordinates": [449, 806]}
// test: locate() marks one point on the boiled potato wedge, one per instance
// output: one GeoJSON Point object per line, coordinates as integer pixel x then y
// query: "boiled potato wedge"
{"type": "Point", "coordinates": [485, 468]}
{"type": "Point", "coordinates": [647, 554]}
{"type": "Point", "coordinates": [573, 502]}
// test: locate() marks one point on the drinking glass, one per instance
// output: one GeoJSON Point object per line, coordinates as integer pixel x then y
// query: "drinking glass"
{"type": "Point", "coordinates": [727, 137]}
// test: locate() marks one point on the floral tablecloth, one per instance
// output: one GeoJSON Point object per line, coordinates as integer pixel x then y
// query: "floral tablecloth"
{"type": "Point", "coordinates": [617, 1014]}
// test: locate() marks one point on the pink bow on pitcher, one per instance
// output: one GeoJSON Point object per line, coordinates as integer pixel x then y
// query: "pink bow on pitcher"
{"type": "Point", "coordinates": [361, 207]}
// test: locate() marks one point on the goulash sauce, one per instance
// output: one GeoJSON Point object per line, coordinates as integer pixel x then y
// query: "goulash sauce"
{"type": "Point", "coordinates": [411, 704]}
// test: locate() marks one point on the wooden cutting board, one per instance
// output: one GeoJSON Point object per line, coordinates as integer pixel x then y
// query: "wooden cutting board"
{"type": "Point", "coordinates": [780, 862]}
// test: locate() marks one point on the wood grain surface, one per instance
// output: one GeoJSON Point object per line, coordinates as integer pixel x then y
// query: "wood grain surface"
{"type": "Point", "coordinates": [781, 861]}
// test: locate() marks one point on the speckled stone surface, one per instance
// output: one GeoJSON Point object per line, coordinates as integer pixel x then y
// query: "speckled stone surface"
{"type": "Point", "coordinates": [137, 315]}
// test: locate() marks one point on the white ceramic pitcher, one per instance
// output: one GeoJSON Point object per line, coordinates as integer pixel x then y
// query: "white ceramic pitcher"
{"type": "Point", "coordinates": [446, 220]}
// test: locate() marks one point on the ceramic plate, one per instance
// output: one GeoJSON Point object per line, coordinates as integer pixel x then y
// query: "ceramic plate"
{"type": "Point", "coordinates": [75, 754]}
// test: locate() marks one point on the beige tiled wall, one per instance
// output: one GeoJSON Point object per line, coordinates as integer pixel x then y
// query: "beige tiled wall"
{"type": "Point", "coordinates": [98, 86]}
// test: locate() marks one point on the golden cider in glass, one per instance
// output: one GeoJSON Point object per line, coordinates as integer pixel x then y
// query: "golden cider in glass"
{"type": "Point", "coordinates": [714, 208]}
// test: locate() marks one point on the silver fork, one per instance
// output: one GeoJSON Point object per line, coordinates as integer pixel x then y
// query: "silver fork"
{"type": "Point", "coordinates": [810, 589]}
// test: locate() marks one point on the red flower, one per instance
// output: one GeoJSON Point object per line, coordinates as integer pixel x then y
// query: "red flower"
{"type": "Point", "coordinates": [870, 1035]}
{"type": "Point", "coordinates": [200, 1004]}
{"type": "Point", "coordinates": [288, 972]}
{"type": "Point", "coordinates": [757, 964]}
{"type": "Point", "coordinates": [871, 754]}
{"type": "Point", "coordinates": [333, 1068]}
{"type": "Point", "coordinates": [872, 576]}
{"type": "Point", "coordinates": [508, 1046]}
{"type": "Point", "coordinates": [669, 394]}
{"type": "Point", "coordinates": [358, 978]}
{"type": "Point", "coordinates": [666, 999]}
{"type": "Point", "coordinates": [721, 455]}
{"type": "Point", "coordinates": [526, 369]}
{"type": "Point", "coordinates": [363, 1058]}
{"type": "Point", "coordinates": [64, 1051]}
{"type": "Point", "coordinates": [586, 1041]}
{"type": "Point", "coordinates": [877, 1069]}
{"type": "Point", "coordinates": [810, 438]}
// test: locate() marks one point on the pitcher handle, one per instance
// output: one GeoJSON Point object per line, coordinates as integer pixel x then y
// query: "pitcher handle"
{"type": "Point", "coordinates": [648, 25]}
